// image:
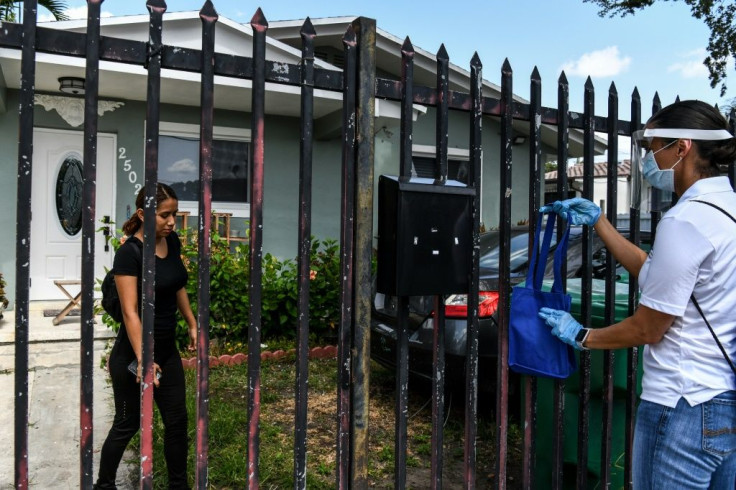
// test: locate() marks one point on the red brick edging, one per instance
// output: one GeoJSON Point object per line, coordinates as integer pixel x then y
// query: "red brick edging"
{"type": "Point", "coordinates": [326, 352]}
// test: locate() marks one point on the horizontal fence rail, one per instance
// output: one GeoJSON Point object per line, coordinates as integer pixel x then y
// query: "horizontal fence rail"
{"type": "Point", "coordinates": [546, 405]}
{"type": "Point", "coordinates": [57, 42]}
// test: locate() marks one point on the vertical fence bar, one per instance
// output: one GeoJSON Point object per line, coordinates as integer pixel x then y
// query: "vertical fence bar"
{"type": "Point", "coordinates": [438, 391]}
{"type": "Point", "coordinates": [471, 346]}
{"type": "Point", "coordinates": [632, 354]}
{"type": "Point", "coordinates": [347, 230]}
{"type": "Point", "coordinates": [156, 9]}
{"type": "Point", "coordinates": [504, 272]}
{"type": "Point", "coordinates": [401, 409]}
{"type": "Point", "coordinates": [366, 32]}
{"type": "Point", "coordinates": [535, 179]}
{"type": "Point", "coordinates": [407, 104]}
{"type": "Point", "coordinates": [438, 326]}
{"type": "Point", "coordinates": [305, 248]}
{"type": "Point", "coordinates": [586, 286]}
{"type": "Point", "coordinates": [89, 201]}
{"type": "Point", "coordinates": [443, 89]}
{"type": "Point", "coordinates": [259, 25]}
{"type": "Point", "coordinates": [402, 319]}
{"type": "Point", "coordinates": [23, 240]}
{"type": "Point", "coordinates": [610, 295]}
{"type": "Point", "coordinates": [208, 16]}
{"type": "Point", "coordinates": [558, 401]}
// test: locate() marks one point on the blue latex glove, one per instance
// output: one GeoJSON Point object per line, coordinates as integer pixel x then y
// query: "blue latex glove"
{"type": "Point", "coordinates": [564, 326]}
{"type": "Point", "coordinates": [577, 211]}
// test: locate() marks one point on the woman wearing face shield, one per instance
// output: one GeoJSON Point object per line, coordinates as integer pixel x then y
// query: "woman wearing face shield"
{"type": "Point", "coordinates": [685, 435]}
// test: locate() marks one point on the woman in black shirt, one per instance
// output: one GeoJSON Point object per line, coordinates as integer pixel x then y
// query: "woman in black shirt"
{"type": "Point", "coordinates": [171, 294]}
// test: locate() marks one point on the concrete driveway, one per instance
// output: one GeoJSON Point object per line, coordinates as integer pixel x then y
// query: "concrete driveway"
{"type": "Point", "coordinates": [54, 392]}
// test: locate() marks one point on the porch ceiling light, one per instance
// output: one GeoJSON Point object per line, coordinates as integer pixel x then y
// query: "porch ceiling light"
{"type": "Point", "coordinates": [71, 85]}
{"type": "Point", "coordinates": [519, 140]}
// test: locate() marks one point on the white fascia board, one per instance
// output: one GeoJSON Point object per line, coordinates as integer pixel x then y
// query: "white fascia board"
{"type": "Point", "coordinates": [324, 26]}
{"type": "Point", "coordinates": [81, 26]}
{"type": "Point", "coordinates": [427, 60]}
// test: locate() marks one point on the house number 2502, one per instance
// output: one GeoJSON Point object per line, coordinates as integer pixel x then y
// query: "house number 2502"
{"type": "Point", "coordinates": [128, 168]}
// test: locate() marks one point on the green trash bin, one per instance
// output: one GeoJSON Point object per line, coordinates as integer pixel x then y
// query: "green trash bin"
{"type": "Point", "coordinates": [545, 406]}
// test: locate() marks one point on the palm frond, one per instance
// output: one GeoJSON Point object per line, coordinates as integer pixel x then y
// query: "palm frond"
{"type": "Point", "coordinates": [56, 7]}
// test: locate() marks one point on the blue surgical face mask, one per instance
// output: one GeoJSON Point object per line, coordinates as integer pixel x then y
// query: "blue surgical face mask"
{"type": "Point", "coordinates": [661, 179]}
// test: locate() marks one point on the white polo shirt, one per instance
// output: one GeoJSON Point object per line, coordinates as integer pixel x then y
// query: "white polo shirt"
{"type": "Point", "coordinates": [694, 252]}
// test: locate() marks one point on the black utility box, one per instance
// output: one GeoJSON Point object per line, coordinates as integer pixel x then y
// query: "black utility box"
{"type": "Point", "coordinates": [425, 236]}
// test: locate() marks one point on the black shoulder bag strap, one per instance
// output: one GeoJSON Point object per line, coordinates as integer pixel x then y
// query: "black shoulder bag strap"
{"type": "Point", "coordinates": [697, 306]}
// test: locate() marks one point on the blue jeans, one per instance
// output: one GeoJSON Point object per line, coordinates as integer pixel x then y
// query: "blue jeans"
{"type": "Point", "coordinates": [686, 447]}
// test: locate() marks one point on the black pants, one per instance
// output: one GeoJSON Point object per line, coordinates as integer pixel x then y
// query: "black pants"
{"type": "Point", "coordinates": [171, 402]}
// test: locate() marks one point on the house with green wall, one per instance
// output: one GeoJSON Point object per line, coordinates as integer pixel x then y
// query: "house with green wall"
{"type": "Point", "coordinates": [58, 140]}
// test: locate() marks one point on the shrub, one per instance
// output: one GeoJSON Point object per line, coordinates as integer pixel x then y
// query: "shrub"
{"type": "Point", "coordinates": [229, 296]}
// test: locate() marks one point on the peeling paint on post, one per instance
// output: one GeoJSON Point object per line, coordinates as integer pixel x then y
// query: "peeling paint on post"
{"type": "Point", "coordinates": [259, 25]}
{"type": "Point", "coordinates": [347, 231]}
{"type": "Point", "coordinates": [365, 30]}
{"type": "Point", "coordinates": [156, 9]}
{"type": "Point", "coordinates": [209, 18]}
{"type": "Point", "coordinates": [89, 193]}
{"type": "Point", "coordinates": [23, 241]}
{"type": "Point", "coordinates": [305, 248]}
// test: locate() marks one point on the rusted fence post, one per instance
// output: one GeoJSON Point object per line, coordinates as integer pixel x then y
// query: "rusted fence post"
{"type": "Point", "coordinates": [89, 201]}
{"type": "Point", "coordinates": [365, 30]}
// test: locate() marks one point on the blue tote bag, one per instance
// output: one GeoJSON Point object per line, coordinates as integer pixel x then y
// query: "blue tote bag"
{"type": "Point", "coordinates": [533, 349]}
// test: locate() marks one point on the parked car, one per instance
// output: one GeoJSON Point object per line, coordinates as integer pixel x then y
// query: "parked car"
{"type": "Point", "coordinates": [420, 328]}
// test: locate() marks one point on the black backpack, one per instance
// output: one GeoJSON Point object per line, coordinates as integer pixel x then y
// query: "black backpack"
{"type": "Point", "coordinates": [110, 299]}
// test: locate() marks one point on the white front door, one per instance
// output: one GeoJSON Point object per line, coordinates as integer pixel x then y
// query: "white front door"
{"type": "Point", "coordinates": [56, 235]}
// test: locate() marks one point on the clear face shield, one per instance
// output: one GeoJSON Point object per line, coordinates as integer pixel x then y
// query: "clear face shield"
{"type": "Point", "coordinates": [644, 196]}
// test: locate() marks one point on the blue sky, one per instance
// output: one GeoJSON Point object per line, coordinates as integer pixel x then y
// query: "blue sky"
{"type": "Point", "coordinates": [660, 49]}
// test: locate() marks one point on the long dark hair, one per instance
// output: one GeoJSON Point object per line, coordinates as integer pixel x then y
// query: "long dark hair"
{"type": "Point", "coordinates": [163, 192]}
{"type": "Point", "coordinates": [695, 114]}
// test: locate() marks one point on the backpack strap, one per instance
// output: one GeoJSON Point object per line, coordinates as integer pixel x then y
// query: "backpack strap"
{"type": "Point", "coordinates": [697, 306]}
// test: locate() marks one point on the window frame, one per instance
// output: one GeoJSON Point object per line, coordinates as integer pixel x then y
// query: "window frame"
{"type": "Point", "coordinates": [192, 131]}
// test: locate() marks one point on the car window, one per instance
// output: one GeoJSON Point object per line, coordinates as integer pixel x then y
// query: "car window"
{"type": "Point", "coordinates": [519, 256]}
{"type": "Point", "coordinates": [387, 304]}
{"type": "Point", "coordinates": [575, 256]}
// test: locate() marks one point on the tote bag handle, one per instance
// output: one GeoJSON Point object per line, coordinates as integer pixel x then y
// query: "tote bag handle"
{"type": "Point", "coordinates": [538, 261]}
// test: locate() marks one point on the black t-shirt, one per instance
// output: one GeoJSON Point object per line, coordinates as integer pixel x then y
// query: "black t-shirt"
{"type": "Point", "coordinates": [171, 276]}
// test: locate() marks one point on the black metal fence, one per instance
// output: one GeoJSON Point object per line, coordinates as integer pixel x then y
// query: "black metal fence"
{"type": "Point", "coordinates": [359, 86]}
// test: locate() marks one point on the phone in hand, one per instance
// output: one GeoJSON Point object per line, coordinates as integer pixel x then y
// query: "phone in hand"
{"type": "Point", "coordinates": [133, 368]}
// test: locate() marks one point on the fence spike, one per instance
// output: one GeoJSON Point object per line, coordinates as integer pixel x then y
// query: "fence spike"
{"type": "Point", "coordinates": [475, 61]}
{"type": "Point", "coordinates": [156, 5]}
{"type": "Point", "coordinates": [407, 48]}
{"type": "Point", "coordinates": [307, 29]}
{"type": "Point", "coordinates": [442, 53]}
{"type": "Point", "coordinates": [536, 77]}
{"type": "Point", "coordinates": [259, 20]}
{"type": "Point", "coordinates": [208, 11]}
{"type": "Point", "coordinates": [506, 67]}
{"type": "Point", "coordinates": [612, 89]}
{"type": "Point", "coordinates": [563, 79]}
{"type": "Point", "coordinates": [656, 101]}
{"type": "Point", "coordinates": [588, 83]}
{"type": "Point", "coordinates": [349, 37]}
